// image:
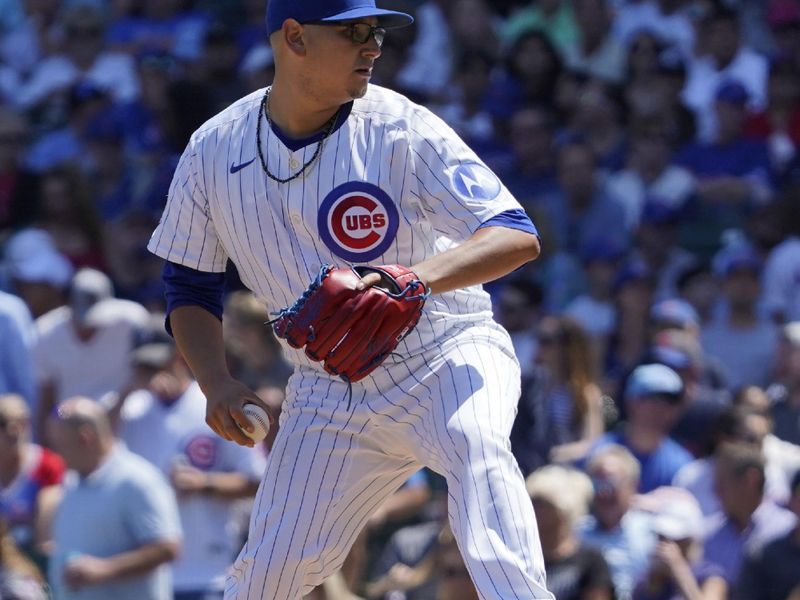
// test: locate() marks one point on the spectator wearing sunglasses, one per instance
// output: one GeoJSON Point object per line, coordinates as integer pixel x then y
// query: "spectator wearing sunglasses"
{"type": "Point", "coordinates": [653, 400]}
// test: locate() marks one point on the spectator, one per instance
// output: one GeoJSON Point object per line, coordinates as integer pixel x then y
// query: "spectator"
{"type": "Point", "coordinates": [518, 309]}
{"type": "Point", "coordinates": [219, 65]}
{"type": "Point", "coordinates": [555, 18]}
{"type": "Point", "coordinates": [778, 452]}
{"type": "Point", "coordinates": [741, 340]}
{"type": "Point", "coordinates": [772, 574]}
{"type": "Point", "coordinates": [698, 285]}
{"type": "Point", "coordinates": [67, 212]}
{"type": "Point", "coordinates": [648, 174]}
{"type": "Point", "coordinates": [533, 176]}
{"type": "Point", "coordinates": [783, 18]}
{"type": "Point", "coordinates": [560, 411]}
{"type": "Point", "coordinates": [467, 110]}
{"type": "Point", "coordinates": [730, 168]}
{"type": "Point", "coordinates": [28, 472]}
{"type": "Point", "coordinates": [532, 68]}
{"type": "Point", "coordinates": [781, 283]}
{"type": "Point", "coordinates": [705, 391]}
{"type": "Point", "coordinates": [620, 531]}
{"type": "Point", "coordinates": [16, 367]}
{"type": "Point", "coordinates": [472, 26]}
{"type": "Point", "coordinates": [84, 58]}
{"type": "Point", "coordinates": [725, 59]}
{"type": "Point", "coordinates": [595, 51]}
{"type": "Point", "coordinates": [65, 140]}
{"type": "Point", "coordinates": [736, 425]}
{"type": "Point", "coordinates": [656, 244]}
{"type": "Point", "coordinates": [17, 184]}
{"type": "Point", "coordinates": [597, 122]}
{"type": "Point", "coordinates": [594, 310]}
{"type": "Point", "coordinates": [39, 273]}
{"type": "Point", "coordinates": [161, 25]}
{"type": "Point", "coordinates": [785, 392]}
{"type": "Point", "coordinates": [678, 570]}
{"type": "Point", "coordinates": [778, 123]}
{"type": "Point", "coordinates": [653, 399]}
{"type": "Point", "coordinates": [581, 210]}
{"type": "Point", "coordinates": [258, 66]}
{"type": "Point", "coordinates": [164, 422]}
{"type": "Point", "coordinates": [575, 571]}
{"type": "Point", "coordinates": [748, 520]}
{"type": "Point", "coordinates": [19, 578]}
{"type": "Point", "coordinates": [666, 21]}
{"type": "Point", "coordinates": [117, 526]}
{"type": "Point", "coordinates": [632, 290]}
{"type": "Point", "coordinates": [644, 47]}
{"type": "Point", "coordinates": [83, 348]}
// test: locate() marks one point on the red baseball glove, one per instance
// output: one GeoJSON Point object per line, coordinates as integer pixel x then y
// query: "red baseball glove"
{"type": "Point", "coordinates": [352, 331]}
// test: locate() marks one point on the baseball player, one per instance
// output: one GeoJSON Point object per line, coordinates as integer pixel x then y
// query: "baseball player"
{"type": "Point", "coordinates": [320, 168]}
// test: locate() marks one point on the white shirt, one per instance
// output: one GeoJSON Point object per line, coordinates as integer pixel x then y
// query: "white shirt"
{"type": "Point", "coordinates": [704, 78]}
{"type": "Point", "coordinates": [673, 187]}
{"type": "Point", "coordinates": [165, 435]}
{"type": "Point", "coordinates": [111, 71]}
{"type": "Point", "coordinates": [95, 367]}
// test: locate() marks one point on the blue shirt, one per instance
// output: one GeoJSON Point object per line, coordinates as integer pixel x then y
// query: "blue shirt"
{"type": "Point", "coordinates": [726, 545]}
{"type": "Point", "coordinates": [658, 466]}
{"type": "Point", "coordinates": [626, 548]}
{"type": "Point", "coordinates": [16, 368]}
{"type": "Point", "coordinates": [125, 504]}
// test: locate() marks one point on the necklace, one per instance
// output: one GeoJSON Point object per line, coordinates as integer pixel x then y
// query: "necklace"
{"type": "Point", "coordinates": [263, 110]}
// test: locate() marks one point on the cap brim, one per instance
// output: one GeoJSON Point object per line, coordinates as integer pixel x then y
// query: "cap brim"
{"type": "Point", "coordinates": [389, 19]}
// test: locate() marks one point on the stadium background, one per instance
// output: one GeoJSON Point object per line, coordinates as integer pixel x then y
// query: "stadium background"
{"type": "Point", "coordinates": [655, 143]}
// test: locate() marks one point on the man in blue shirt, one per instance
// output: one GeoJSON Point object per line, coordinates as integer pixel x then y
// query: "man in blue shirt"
{"type": "Point", "coordinates": [654, 401]}
{"type": "Point", "coordinates": [16, 369]}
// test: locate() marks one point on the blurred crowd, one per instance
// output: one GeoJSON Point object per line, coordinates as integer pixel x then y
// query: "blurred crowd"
{"type": "Point", "coordinates": [654, 143]}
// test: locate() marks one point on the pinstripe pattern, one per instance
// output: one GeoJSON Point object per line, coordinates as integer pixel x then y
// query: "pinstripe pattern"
{"type": "Point", "coordinates": [446, 398]}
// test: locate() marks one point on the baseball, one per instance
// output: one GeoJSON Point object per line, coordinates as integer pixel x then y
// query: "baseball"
{"type": "Point", "coordinates": [260, 420]}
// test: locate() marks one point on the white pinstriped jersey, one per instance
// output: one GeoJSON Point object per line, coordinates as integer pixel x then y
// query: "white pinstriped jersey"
{"type": "Point", "coordinates": [393, 184]}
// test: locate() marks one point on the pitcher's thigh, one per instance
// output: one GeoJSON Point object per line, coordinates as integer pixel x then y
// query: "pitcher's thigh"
{"type": "Point", "coordinates": [322, 483]}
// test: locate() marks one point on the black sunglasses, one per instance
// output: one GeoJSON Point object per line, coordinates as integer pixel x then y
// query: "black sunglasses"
{"type": "Point", "coordinates": [359, 33]}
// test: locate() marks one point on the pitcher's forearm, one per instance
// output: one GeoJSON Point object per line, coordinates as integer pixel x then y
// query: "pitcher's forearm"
{"type": "Point", "coordinates": [198, 335]}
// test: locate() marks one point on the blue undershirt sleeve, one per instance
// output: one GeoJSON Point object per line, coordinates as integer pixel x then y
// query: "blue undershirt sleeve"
{"type": "Point", "coordinates": [513, 219]}
{"type": "Point", "coordinates": [188, 287]}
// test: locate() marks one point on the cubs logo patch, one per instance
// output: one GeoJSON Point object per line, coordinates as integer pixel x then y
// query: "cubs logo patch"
{"type": "Point", "coordinates": [474, 181]}
{"type": "Point", "coordinates": [358, 221]}
{"type": "Point", "coordinates": [201, 451]}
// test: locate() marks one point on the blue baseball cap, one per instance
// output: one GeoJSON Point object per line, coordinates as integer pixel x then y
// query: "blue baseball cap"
{"type": "Point", "coordinates": [305, 11]}
{"type": "Point", "coordinates": [653, 380]}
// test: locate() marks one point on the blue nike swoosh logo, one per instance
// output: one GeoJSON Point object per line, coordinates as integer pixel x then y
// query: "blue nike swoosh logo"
{"type": "Point", "coordinates": [237, 168]}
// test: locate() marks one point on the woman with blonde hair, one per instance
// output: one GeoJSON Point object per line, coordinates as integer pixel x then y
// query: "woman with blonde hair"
{"type": "Point", "coordinates": [575, 571]}
{"type": "Point", "coordinates": [561, 407]}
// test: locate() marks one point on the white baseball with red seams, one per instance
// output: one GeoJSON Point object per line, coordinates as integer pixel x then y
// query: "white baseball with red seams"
{"type": "Point", "coordinates": [260, 420]}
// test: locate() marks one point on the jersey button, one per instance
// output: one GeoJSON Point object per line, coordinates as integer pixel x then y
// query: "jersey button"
{"type": "Point", "coordinates": [293, 163]}
{"type": "Point", "coordinates": [297, 218]}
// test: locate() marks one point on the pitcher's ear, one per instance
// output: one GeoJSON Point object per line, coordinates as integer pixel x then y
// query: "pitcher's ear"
{"type": "Point", "coordinates": [294, 36]}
